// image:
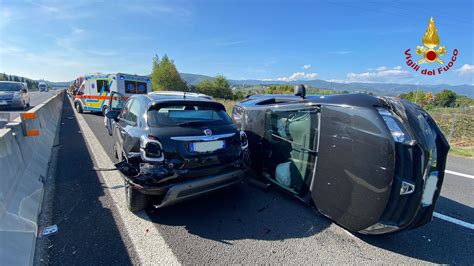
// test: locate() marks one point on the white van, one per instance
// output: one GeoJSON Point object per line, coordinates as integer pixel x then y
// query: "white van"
{"type": "Point", "coordinates": [42, 86]}
{"type": "Point", "coordinates": [94, 90]}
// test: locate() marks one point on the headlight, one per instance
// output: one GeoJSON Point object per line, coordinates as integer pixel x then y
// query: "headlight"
{"type": "Point", "coordinates": [16, 94]}
{"type": "Point", "coordinates": [244, 141]}
{"type": "Point", "coordinates": [398, 131]}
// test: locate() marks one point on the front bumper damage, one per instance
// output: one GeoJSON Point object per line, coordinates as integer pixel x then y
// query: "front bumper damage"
{"type": "Point", "coordinates": [422, 164]}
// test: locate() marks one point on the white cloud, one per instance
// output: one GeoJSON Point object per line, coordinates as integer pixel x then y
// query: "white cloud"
{"type": "Point", "coordinates": [380, 74]}
{"type": "Point", "coordinates": [340, 52]}
{"type": "Point", "coordinates": [307, 66]}
{"type": "Point", "coordinates": [466, 69]}
{"type": "Point", "coordinates": [299, 76]}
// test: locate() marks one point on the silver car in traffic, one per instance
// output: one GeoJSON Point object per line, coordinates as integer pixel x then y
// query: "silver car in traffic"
{"type": "Point", "coordinates": [14, 95]}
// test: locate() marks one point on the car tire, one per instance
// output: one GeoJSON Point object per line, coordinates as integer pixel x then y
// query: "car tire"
{"type": "Point", "coordinates": [135, 200]}
{"type": "Point", "coordinates": [78, 107]}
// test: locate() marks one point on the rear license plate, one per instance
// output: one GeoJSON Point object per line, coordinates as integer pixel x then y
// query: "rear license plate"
{"type": "Point", "coordinates": [206, 146]}
{"type": "Point", "coordinates": [3, 103]}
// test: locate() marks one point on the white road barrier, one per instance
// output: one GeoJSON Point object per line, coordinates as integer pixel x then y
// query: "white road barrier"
{"type": "Point", "coordinates": [25, 150]}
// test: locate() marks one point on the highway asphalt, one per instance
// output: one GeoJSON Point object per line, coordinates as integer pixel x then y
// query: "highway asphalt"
{"type": "Point", "coordinates": [36, 98]}
{"type": "Point", "coordinates": [240, 225]}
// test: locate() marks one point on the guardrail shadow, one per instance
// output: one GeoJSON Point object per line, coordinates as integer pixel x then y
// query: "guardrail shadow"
{"type": "Point", "coordinates": [439, 241]}
{"type": "Point", "coordinates": [243, 212]}
{"type": "Point", "coordinates": [87, 231]}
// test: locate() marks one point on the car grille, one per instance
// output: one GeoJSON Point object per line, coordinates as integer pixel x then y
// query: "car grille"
{"type": "Point", "coordinates": [408, 167]}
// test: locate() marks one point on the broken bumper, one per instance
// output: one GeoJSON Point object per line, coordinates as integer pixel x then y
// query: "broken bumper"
{"type": "Point", "coordinates": [182, 191]}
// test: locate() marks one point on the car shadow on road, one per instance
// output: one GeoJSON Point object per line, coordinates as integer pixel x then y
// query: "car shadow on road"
{"type": "Point", "coordinates": [243, 212]}
{"type": "Point", "coordinates": [439, 241]}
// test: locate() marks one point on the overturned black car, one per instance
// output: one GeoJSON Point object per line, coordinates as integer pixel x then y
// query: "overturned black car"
{"type": "Point", "coordinates": [373, 165]}
{"type": "Point", "coordinates": [173, 146]}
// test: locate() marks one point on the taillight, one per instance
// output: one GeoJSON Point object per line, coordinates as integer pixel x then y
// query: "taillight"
{"type": "Point", "coordinates": [244, 141]}
{"type": "Point", "coordinates": [151, 149]}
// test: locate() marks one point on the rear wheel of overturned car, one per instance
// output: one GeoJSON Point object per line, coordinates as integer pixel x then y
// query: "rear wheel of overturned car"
{"type": "Point", "coordinates": [78, 107]}
{"type": "Point", "coordinates": [136, 201]}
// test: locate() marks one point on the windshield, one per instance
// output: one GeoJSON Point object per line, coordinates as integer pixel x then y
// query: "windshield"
{"type": "Point", "coordinates": [187, 114]}
{"type": "Point", "coordinates": [135, 87]}
{"type": "Point", "coordinates": [5, 86]}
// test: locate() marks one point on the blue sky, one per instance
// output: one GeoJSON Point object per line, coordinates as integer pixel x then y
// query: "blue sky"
{"type": "Point", "coordinates": [279, 40]}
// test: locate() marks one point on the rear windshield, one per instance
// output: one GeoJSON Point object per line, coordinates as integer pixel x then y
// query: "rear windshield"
{"type": "Point", "coordinates": [5, 86]}
{"type": "Point", "coordinates": [187, 114]}
{"type": "Point", "coordinates": [135, 87]}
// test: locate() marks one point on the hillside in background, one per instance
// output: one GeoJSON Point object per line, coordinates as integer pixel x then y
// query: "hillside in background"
{"type": "Point", "coordinates": [390, 89]}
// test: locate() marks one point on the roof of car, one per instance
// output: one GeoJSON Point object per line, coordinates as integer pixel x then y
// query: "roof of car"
{"type": "Point", "coordinates": [163, 96]}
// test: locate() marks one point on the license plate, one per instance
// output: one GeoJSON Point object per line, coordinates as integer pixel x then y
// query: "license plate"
{"type": "Point", "coordinates": [3, 103]}
{"type": "Point", "coordinates": [429, 189]}
{"type": "Point", "coordinates": [206, 146]}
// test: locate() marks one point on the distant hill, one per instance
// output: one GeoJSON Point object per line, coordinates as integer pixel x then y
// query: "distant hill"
{"type": "Point", "coordinates": [377, 88]}
{"type": "Point", "coordinates": [193, 79]}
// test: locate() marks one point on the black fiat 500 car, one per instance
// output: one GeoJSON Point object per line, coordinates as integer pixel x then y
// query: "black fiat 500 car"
{"type": "Point", "coordinates": [373, 165]}
{"type": "Point", "coordinates": [174, 146]}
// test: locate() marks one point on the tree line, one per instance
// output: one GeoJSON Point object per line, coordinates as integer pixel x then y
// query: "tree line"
{"type": "Point", "coordinates": [165, 76]}
{"type": "Point", "coordinates": [444, 98]}
{"type": "Point", "coordinates": [32, 84]}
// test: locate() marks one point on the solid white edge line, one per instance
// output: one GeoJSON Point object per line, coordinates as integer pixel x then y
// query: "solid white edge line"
{"type": "Point", "coordinates": [147, 241]}
{"type": "Point", "coordinates": [453, 220]}
{"type": "Point", "coordinates": [459, 174]}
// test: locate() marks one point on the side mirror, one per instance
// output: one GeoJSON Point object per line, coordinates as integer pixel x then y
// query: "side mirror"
{"type": "Point", "coordinates": [300, 90]}
{"type": "Point", "coordinates": [112, 114]}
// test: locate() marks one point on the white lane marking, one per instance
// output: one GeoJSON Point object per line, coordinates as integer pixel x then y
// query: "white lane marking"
{"type": "Point", "coordinates": [453, 220]}
{"type": "Point", "coordinates": [148, 243]}
{"type": "Point", "coordinates": [459, 174]}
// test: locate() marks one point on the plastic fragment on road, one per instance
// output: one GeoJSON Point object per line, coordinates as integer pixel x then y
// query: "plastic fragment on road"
{"type": "Point", "coordinates": [49, 230]}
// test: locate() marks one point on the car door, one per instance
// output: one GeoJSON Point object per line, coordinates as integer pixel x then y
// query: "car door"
{"type": "Point", "coordinates": [132, 127]}
{"type": "Point", "coordinates": [291, 134]}
{"type": "Point", "coordinates": [116, 102]}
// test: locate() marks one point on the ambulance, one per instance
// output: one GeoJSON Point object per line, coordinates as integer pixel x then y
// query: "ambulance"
{"type": "Point", "coordinates": [93, 91]}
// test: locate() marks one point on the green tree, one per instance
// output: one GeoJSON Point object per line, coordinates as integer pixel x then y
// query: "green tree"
{"type": "Point", "coordinates": [165, 76]}
{"type": "Point", "coordinates": [219, 87]}
{"type": "Point", "coordinates": [445, 98]}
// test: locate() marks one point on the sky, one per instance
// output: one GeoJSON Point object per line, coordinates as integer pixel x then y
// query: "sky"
{"type": "Point", "coordinates": [340, 41]}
